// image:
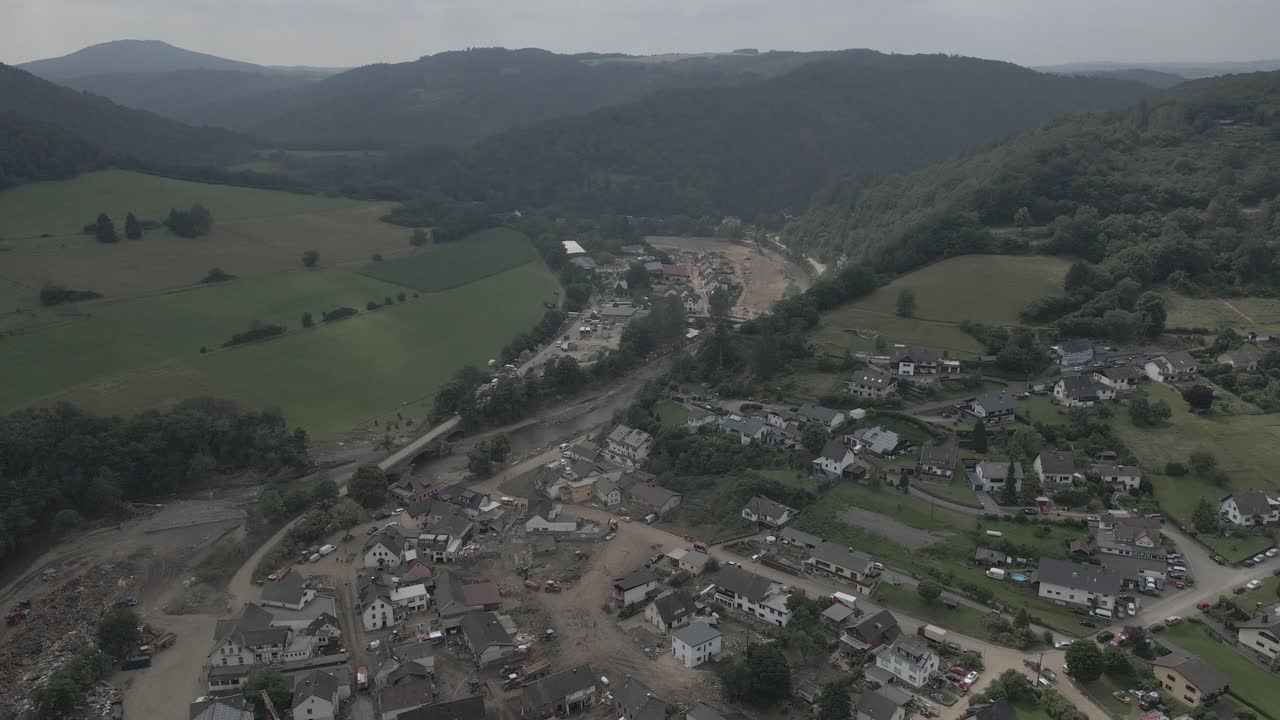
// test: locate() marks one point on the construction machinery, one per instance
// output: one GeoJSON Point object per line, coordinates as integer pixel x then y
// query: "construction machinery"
{"type": "Point", "coordinates": [518, 675]}
{"type": "Point", "coordinates": [551, 586]}
{"type": "Point", "coordinates": [271, 707]}
{"type": "Point", "coordinates": [18, 613]}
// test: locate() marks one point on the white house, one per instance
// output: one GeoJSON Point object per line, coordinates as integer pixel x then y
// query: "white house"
{"type": "Point", "coordinates": [938, 461]}
{"type": "Point", "coordinates": [994, 407]}
{"type": "Point", "coordinates": [1120, 378]}
{"type": "Point", "coordinates": [249, 639]}
{"type": "Point", "coordinates": [1126, 477]}
{"type": "Point", "coordinates": [753, 594]}
{"type": "Point", "coordinates": [992, 476]}
{"type": "Point", "coordinates": [376, 608]}
{"type": "Point", "coordinates": [409, 598]}
{"type": "Point", "coordinates": [909, 659]}
{"type": "Point", "coordinates": [914, 361]}
{"type": "Point", "coordinates": [749, 430]}
{"type": "Point", "coordinates": [289, 592]}
{"type": "Point", "coordinates": [1249, 508]}
{"type": "Point", "coordinates": [1081, 391]}
{"type": "Point", "coordinates": [634, 587]}
{"type": "Point", "coordinates": [837, 460]}
{"type": "Point", "coordinates": [695, 644]}
{"type": "Point", "coordinates": [608, 492]}
{"type": "Point", "coordinates": [670, 610]}
{"type": "Point", "coordinates": [1056, 470]}
{"type": "Point", "coordinates": [1261, 635]}
{"type": "Point", "coordinates": [844, 562]}
{"type": "Point", "coordinates": [545, 516]}
{"type": "Point", "coordinates": [315, 696]}
{"type": "Point", "coordinates": [1174, 367]}
{"type": "Point", "coordinates": [825, 415]}
{"type": "Point", "coordinates": [1077, 585]}
{"type": "Point", "coordinates": [628, 447]}
{"type": "Point", "coordinates": [872, 385]}
{"type": "Point", "coordinates": [384, 550]}
{"type": "Point", "coordinates": [763, 511]}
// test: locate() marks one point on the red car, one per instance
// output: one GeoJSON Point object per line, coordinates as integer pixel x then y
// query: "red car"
{"type": "Point", "coordinates": [1202, 605]}
{"type": "Point", "coordinates": [1120, 639]}
{"type": "Point", "coordinates": [946, 416]}
{"type": "Point", "coordinates": [958, 670]}
{"type": "Point", "coordinates": [1179, 584]}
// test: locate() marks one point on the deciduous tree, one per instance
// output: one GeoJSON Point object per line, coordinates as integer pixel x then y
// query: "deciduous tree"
{"type": "Point", "coordinates": [907, 303]}
{"type": "Point", "coordinates": [273, 683]}
{"type": "Point", "coordinates": [929, 589]}
{"type": "Point", "coordinates": [368, 486]}
{"type": "Point", "coordinates": [132, 228]}
{"type": "Point", "coordinates": [105, 230]}
{"type": "Point", "coordinates": [1085, 660]}
{"type": "Point", "coordinates": [118, 633]}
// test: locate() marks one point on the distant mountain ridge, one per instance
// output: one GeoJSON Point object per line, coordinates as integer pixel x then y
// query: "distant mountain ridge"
{"type": "Point", "coordinates": [131, 57]}
{"type": "Point", "coordinates": [1189, 70]}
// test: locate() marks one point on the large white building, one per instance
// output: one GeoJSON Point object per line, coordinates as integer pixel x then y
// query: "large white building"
{"type": "Point", "coordinates": [1250, 508]}
{"type": "Point", "coordinates": [1261, 635]}
{"type": "Point", "coordinates": [695, 644]}
{"type": "Point", "coordinates": [909, 659]}
{"type": "Point", "coordinates": [753, 594]}
{"type": "Point", "coordinates": [1078, 585]}
{"type": "Point", "coordinates": [628, 447]}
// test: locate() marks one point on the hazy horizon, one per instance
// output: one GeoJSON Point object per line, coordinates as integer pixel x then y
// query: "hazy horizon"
{"type": "Point", "coordinates": [344, 33]}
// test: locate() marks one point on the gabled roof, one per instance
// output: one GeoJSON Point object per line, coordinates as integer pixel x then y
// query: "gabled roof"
{"type": "Point", "coordinates": [1075, 345]}
{"type": "Point", "coordinates": [997, 709]}
{"type": "Point", "coordinates": [818, 412]}
{"type": "Point", "coordinates": [373, 588]}
{"type": "Point", "coordinates": [1124, 372]}
{"type": "Point", "coordinates": [1252, 502]}
{"type": "Point", "coordinates": [995, 402]}
{"type": "Point", "coordinates": [636, 578]}
{"type": "Point", "coordinates": [652, 495]}
{"type": "Point", "coordinates": [469, 708]}
{"type": "Point", "coordinates": [799, 536]}
{"type": "Point", "coordinates": [764, 507]}
{"type": "Point", "coordinates": [1180, 360]}
{"type": "Point", "coordinates": [842, 556]}
{"type": "Point", "coordinates": [410, 693]}
{"type": "Point", "coordinates": [629, 437]}
{"type": "Point", "coordinates": [939, 455]}
{"type": "Point", "coordinates": [744, 582]}
{"type": "Point", "coordinates": [696, 633]}
{"type": "Point", "coordinates": [321, 620]}
{"type": "Point", "coordinates": [1208, 679]}
{"type": "Point", "coordinates": [484, 630]}
{"type": "Point", "coordinates": [1089, 578]}
{"type": "Point", "coordinates": [742, 424]}
{"type": "Point", "coordinates": [1268, 619]}
{"type": "Point", "coordinates": [835, 451]}
{"type": "Point", "coordinates": [390, 538]}
{"type": "Point", "coordinates": [639, 703]}
{"type": "Point", "coordinates": [461, 495]}
{"type": "Point", "coordinates": [231, 707]}
{"type": "Point", "coordinates": [877, 706]}
{"type": "Point", "coordinates": [1079, 387]}
{"type": "Point", "coordinates": [919, 356]}
{"type": "Point", "coordinates": [872, 378]}
{"type": "Point", "coordinates": [673, 606]}
{"type": "Point", "coordinates": [555, 688]}
{"type": "Point", "coordinates": [1118, 470]}
{"type": "Point", "coordinates": [289, 590]}
{"type": "Point", "coordinates": [1057, 462]}
{"type": "Point", "coordinates": [882, 624]}
{"type": "Point", "coordinates": [879, 440]}
{"type": "Point", "coordinates": [251, 628]}
{"type": "Point", "coordinates": [1239, 356]}
{"type": "Point", "coordinates": [481, 593]}
{"type": "Point", "coordinates": [317, 684]}
{"type": "Point", "coordinates": [999, 470]}
{"type": "Point", "coordinates": [1127, 533]}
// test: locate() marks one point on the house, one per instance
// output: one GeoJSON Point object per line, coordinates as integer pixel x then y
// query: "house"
{"type": "Point", "coordinates": [637, 701]}
{"type": "Point", "coordinates": [1240, 359]}
{"type": "Point", "coordinates": [548, 517]}
{"type": "Point", "coordinates": [1250, 508]}
{"type": "Point", "coordinates": [445, 541]}
{"type": "Point", "coordinates": [376, 609]}
{"type": "Point", "coordinates": [392, 665]}
{"type": "Point", "coordinates": [875, 705]}
{"type": "Point", "coordinates": [634, 587]}
{"type": "Point", "coordinates": [1261, 635]}
{"type": "Point", "coordinates": [1077, 585]}
{"type": "Point", "coordinates": [870, 632]}
{"type": "Point", "coordinates": [836, 461]}
{"type": "Point", "coordinates": [1134, 537]}
{"type": "Point", "coordinates": [675, 273]}
{"type": "Point", "coordinates": [563, 693]}
{"type": "Point", "coordinates": [1074, 352]}
{"type": "Point", "coordinates": [998, 709]}
{"type": "Point", "coordinates": [410, 598]}
{"type": "Point", "coordinates": [1175, 367]}
{"type": "Point", "coordinates": [753, 594]}
{"type": "Point", "coordinates": [993, 407]}
{"type": "Point", "coordinates": [670, 610]}
{"type": "Point", "coordinates": [987, 557]}
{"type": "Point", "coordinates": [472, 502]}
{"type": "Point", "coordinates": [747, 429]}
{"type": "Point", "coordinates": [993, 476]}
{"type": "Point", "coordinates": [249, 639]}
{"type": "Point", "coordinates": [1126, 477]}
{"type": "Point", "coordinates": [396, 700]}
{"type": "Point", "coordinates": [412, 489]}
{"type": "Point", "coordinates": [699, 418]}
{"type": "Point", "coordinates": [628, 446]}
{"type": "Point", "coordinates": [914, 361]}
{"type": "Point", "coordinates": [487, 638]}
{"type": "Point", "coordinates": [837, 614]}
{"type": "Point", "coordinates": [1081, 391]}
{"type": "Point", "coordinates": [881, 441]}
{"type": "Point", "coordinates": [937, 461]}
{"type": "Point", "coordinates": [909, 659]}
{"type": "Point", "coordinates": [694, 563]}
{"type": "Point", "coordinates": [384, 550]}
{"type": "Point", "coordinates": [872, 385]}
{"type": "Point", "coordinates": [609, 492]}
{"type": "Point", "coordinates": [315, 696]}
{"type": "Point", "coordinates": [468, 708]}
{"type": "Point", "coordinates": [230, 707]}
{"type": "Point", "coordinates": [816, 413]}
{"type": "Point", "coordinates": [695, 644]}
{"type": "Point", "coordinates": [572, 248]}
{"type": "Point", "coordinates": [1119, 379]}
{"type": "Point", "coordinates": [290, 592]}
{"type": "Point", "coordinates": [1189, 679]}
{"type": "Point", "coordinates": [1056, 470]}
{"type": "Point", "coordinates": [655, 498]}
{"type": "Point", "coordinates": [763, 511]}
{"type": "Point", "coordinates": [800, 538]}
{"type": "Point", "coordinates": [843, 562]}
{"type": "Point", "coordinates": [809, 691]}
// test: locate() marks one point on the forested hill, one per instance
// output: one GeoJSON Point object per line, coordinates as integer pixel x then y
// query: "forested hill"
{"type": "Point", "coordinates": [1182, 182]}
{"type": "Point", "coordinates": [148, 137]}
{"type": "Point", "coordinates": [32, 150]}
{"type": "Point", "coordinates": [759, 150]}
{"type": "Point", "coordinates": [458, 97]}
{"type": "Point", "coordinates": [130, 56]}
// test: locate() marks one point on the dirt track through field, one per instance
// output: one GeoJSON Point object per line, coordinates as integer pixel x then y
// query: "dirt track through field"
{"type": "Point", "coordinates": [905, 535]}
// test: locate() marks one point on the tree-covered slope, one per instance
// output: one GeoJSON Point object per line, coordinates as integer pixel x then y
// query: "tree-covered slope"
{"type": "Point", "coordinates": [31, 150]}
{"type": "Point", "coordinates": [130, 56]}
{"type": "Point", "coordinates": [761, 149]}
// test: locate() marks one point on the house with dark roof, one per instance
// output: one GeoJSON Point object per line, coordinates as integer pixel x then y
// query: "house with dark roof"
{"type": "Point", "coordinates": [455, 597]}
{"type": "Point", "coordinates": [384, 550]}
{"type": "Point", "coordinates": [1261, 634]}
{"type": "Point", "coordinates": [394, 701]}
{"type": "Point", "coordinates": [844, 562]}
{"type": "Point", "coordinates": [988, 557]}
{"type": "Point", "coordinates": [837, 614]}
{"type": "Point", "coordinates": [753, 594]}
{"type": "Point", "coordinates": [993, 407]}
{"type": "Point", "coordinates": [1078, 585]}
{"type": "Point", "coordinates": [936, 461]}
{"type": "Point", "coordinates": [654, 498]}
{"type": "Point", "coordinates": [637, 701]}
{"type": "Point", "coordinates": [634, 587]}
{"type": "Point", "coordinates": [249, 639]}
{"type": "Point", "coordinates": [487, 638]}
{"type": "Point", "coordinates": [1076, 351]}
{"type": "Point", "coordinates": [315, 696]}
{"type": "Point", "coordinates": [563, 693]}
{"type": "Point", "coordinates": [748, 429]}
{"type": "Point", "coordinates": [229, 707]}
{"type": "Point", "coordinates": [1174, 367]}
{"type": "Point", "coordinates": [1190, 679]}
{"type": "Point", "coordinates": [703, 711]}
{"type": "Point", "coordinates": [468, 708]}
{"type": "Point", "coordinates": [998, 709]}
{"type": "Point", "coordinates": [1081, 391]}
{"type": "Point", "coordinates": [799, 538]}
{"type": "Point", "coordinates": [837, 461]}
{"type": "Point", "coordinates": [1250, 508]}
{"type": "Point", "coordinates": [874, 705]}
{"type": "Point", "coordinates": [1239, 359]}
{"type": "Point", "coordinates": [289, 592]}
{"type": "Point", "coordinates": [1119, 379]}
{"type": "Point", "coordinates": [872, 385]}
{"type": "Point", "coordinates": [1133, 537]}
{"type": "Point", "coordinates": [1056, 470]}
{"type": "Point", "coordinates": [695, 644]}
{"type": "Point", "coordinates": [870, 632]}
{"type": "Point", "coordinates": [832, 419]}
{"type": "Point", "coordinates": [377, 611]}
{"type": "Point", "coordinates": [670, 610]}
{"type": "Point", "coordinates": [914, 361]}
{"type": "Point", "coordinates": [770, 513]}
{"type": "Point", "coordinates": [470, 500]}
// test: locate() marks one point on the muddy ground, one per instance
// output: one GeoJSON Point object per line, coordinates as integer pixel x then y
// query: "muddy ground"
{"type": "Point", "coordinates": [765, 277]}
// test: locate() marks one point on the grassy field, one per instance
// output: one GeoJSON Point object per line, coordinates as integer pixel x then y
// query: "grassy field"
{"type": "Point", "coordinates": [838, 331]}
{"type": "Point", "coordinates": [446, 266]}
{"type": "Point", "coordinates": [1042, 408]}
{"type": "Point", "coordinates": [671, 414]}
{"type": "Point", "coordinates": [963, 619]}
{"type": "Point", "coordinates": [957, 491]}
{"type": "Point", "coordinates": [1213, 313]}
{"type": "Point", "coordinates": [1247, 448]}
{"type": "Point", "coordinates": [1249, 682]}
{"type": "Point", "coordinates": [14, 296]}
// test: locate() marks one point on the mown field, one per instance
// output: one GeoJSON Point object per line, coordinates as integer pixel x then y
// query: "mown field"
{"type": "Point", "coordinates": [1212, 313]}
{"type": "Point", "coordinates": [990, 289]}
{"type": "Point", "coordinates": [1247, 448]}
{"type": "Point", "coordinates": [483, 254]}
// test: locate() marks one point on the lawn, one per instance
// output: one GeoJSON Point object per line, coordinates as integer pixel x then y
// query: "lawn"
{"type": "Point", "coordinates": [963, 619]}
{"type": "Point", "coordinates": [1249, 682]}
{"type": "Point", "coordinates": [481, 255]}
{"type": "Point", "coordinates": [14, 296]}
{"type": "Point", "coordinates": [1029, 711]}
{"type": "Point", "coordinates": [1212, 313]}
{"type": "Point", "coordinates": [1042, 408]}
{"type": "Point", "coordinates": [837, 331]}
{"type": "Point", "coordinates": [63, 207]}
{"type": "Point", "coordinates": [957, 491]}
{"type": "Point", "coordinates": [671, 414]}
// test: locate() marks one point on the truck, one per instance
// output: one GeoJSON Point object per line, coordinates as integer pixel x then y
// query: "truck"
{"type": "Point", "coordinates": [996, 573]}
{"type": "Point", "coordinates": [932, 633]}
{"type": "Point", "coordinates": [701, 547]}
{"type": "Point", "coordinates": [514, 676]}
{"type": "Point", "coordinates": [844, 599]}
{"type": "Point", "coordinates": [137, 662]}
{"type": "Point", "coordinates": [362, 676]}
{"type": "Point", "coordinates": [326, 549]}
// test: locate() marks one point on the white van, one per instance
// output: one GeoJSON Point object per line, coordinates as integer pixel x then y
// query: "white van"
{"type": "Point", "coordinates": [326, 549]}
{"type": "Point", "coordinates": [1102, 613]}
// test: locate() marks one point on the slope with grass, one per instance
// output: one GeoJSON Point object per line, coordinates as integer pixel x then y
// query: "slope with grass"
{"type": "Point", "coordinates": [483, 254]}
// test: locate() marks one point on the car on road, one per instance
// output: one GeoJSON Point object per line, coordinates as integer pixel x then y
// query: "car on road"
{"type": "Point", "coordinates": [969, 679]}
{"type": "Point", "coordinates": [1254, 584]}
{"type": "Point", "coordinates": [947, 415]}
{"type": "Point", "coordinates": [1272, 552]}
{"type": "Point", "coordinates": [1121, 697]}
{"type": "Point", "coordinates": [1203, 605]}
{"type": "Point", "coordinates": [1062, 644]}
{"type": "Point", "coordinates": [1173, 620]}
{"type": "Point", "coordinates": [1030, 511]}
{"type": "Point", "coordinates": [1180, 584]}
{"type": "Point", "coordinates": [1260, 557]}
{"type": "Point", "coordinates": [1249, 562]}
{"type": "Point", "coordinates": [1106, 636]}
{"type": "Point", "coordinates": [1218, 559]}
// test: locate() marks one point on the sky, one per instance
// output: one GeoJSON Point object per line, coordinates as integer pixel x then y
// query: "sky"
{"type": "Point", "coordinates": [344, 33]}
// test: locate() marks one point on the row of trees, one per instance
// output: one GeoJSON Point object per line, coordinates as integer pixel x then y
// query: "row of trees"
{"type": "Point", "coordinates": [194, 222]}
{"type": "Point", "coordinates": [104, 230]}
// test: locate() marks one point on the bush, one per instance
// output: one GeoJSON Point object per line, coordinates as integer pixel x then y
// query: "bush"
{"type": "Point", "coordinates": [1174, 469]}
{"type": "Point", "coordinates": [52, 294]}
{"type": "Point", "coordinates": [256, 331]}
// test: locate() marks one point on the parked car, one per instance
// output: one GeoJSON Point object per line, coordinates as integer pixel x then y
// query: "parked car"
{"type": "Point", "coordinates": [1106, 636]}
{"type": "Point", "coordinates": [1254, 584]}
{"type": "Point", "coordinates": [1218, 559]}
{"type": "Point", "coordinates": [1156, 628]}
{"type": "Point", "coordinates": [958, 670]}
{"type": "Point", "coordinates": [371, 530]}
{"type": "Point", "coordinates": [1088, 623]}
{"type": "Point", "coordinates": [1173, 620]}
{"type": "Point", "coordinates": [1203, 605]}
{"type": "Point", "coordinates": [1062, 644]}
{"type": "Point", "coordinates": [1260, 557]}
{"type": "Point", "coordinates": [1180, 584]}
{"type": "Point", "coordinates": [1250, 562]}
{"type": "Point", "coordinates": [1121, 697]}
{"type": "Point", "coordinates": [1273, 552]}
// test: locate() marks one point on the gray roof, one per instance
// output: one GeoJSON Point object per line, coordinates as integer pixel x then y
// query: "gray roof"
{"type": "Point", "coordinates": [995, 402]}
{"type": "Point", "coordinates": [997, 709]}
{"type": "Point", "coordinates": [696, 633]}
{"type": "Point", "coordinates": [999, 470]}
{"type": "Point", "coordinates": [744, 582]}
{"type": "Point", "coordinates": [554, 688]}
{"type": "Point", "coordinates": [390, 537]}
{"type": "Point", "coordinates": [231, 707]}
{"type": "Point", "coordinates": [799, 536]}
{"type": "Point", "coordinates": [372, 588]}
{"type": "Point", "coordinates": [837, 612]}
{"type": "Point", "coordinates": [629, 436]}
{"type": "Point", "coordinates": [251, 628]}
{"type": "Point", "coordinates": [1075, 345]}
{"type": "Point", "coordinates": [872, 378]}
{"type": "Point", "coordinates": [834, 450]}
{"type": "Point", "coordinates": [1208, 679]}
{"type": "Point", "coordinates": [915, 355]}
{"type": "Point", "coordinates": [1180, 360]}
{"type": "Point", "coordinates": [1117, 470]}
{"type": "Point", "coordinates": [882, 623]}
{"type": "Point", "coordinates": [468, 708]}
{"type": "Point", "coordinates": [879, 440]}
{"type": "Point", "coordinates": [1124, 372]}
{"type": "Point", "coordinates": [877, 706]}
{"type": "Point", "coordinates": [638, 701]}
{"type": "Point", "coordinates": [742, 424]}
{"type": "Point", "coordinates": [673, 606]}
{"type": "Point", "coordinates": [1079, 387]}
{"type": "Point", "coordinates": [652, 495]}
{"type": "Point", "coordinates": [1268, 619]}
{"type": "Point", "coordinates": [1252, 502]}
{"type": "Point", "coordinates": [1240, 356]}
{"type": "Point", "coordinates": [990, 555]}
{"type": "Point", "coordinates": [636, 578]}
{"type": "Point", "coordinates": [702, 711]}
{"type": "Point", "coordinates": [1090, 578]}
{"type": "Point", "coordinates": [483, 630]}
{"type": "Point", "coordinates": [321, 620]}
{"type": "Point", "coordinates": [940, 455]}
{"type": "Point", "coordinates": [316, 683]}
{"type": "Point", "coordinates": [288, 590]}
{"type": "Point", "coordinates": [410, 693]}
{"type": "Point", "coordinates": [1057, 462]}
{"type": "Point", "coordinates": [765, 507]}
{"type": "Point", "coordinates": [461, 495]}
{"type": "Point", "coordinates": [842, 556]}
{"type": "Point", "coordinates": [818, 412]}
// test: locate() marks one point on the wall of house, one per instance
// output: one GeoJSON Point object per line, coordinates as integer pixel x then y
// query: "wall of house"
{"type": "Point", "coordinates": [1264, 643]}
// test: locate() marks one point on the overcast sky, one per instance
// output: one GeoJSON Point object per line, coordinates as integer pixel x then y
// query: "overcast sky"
{"type": "Point", "coordinates": [358, 32]}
